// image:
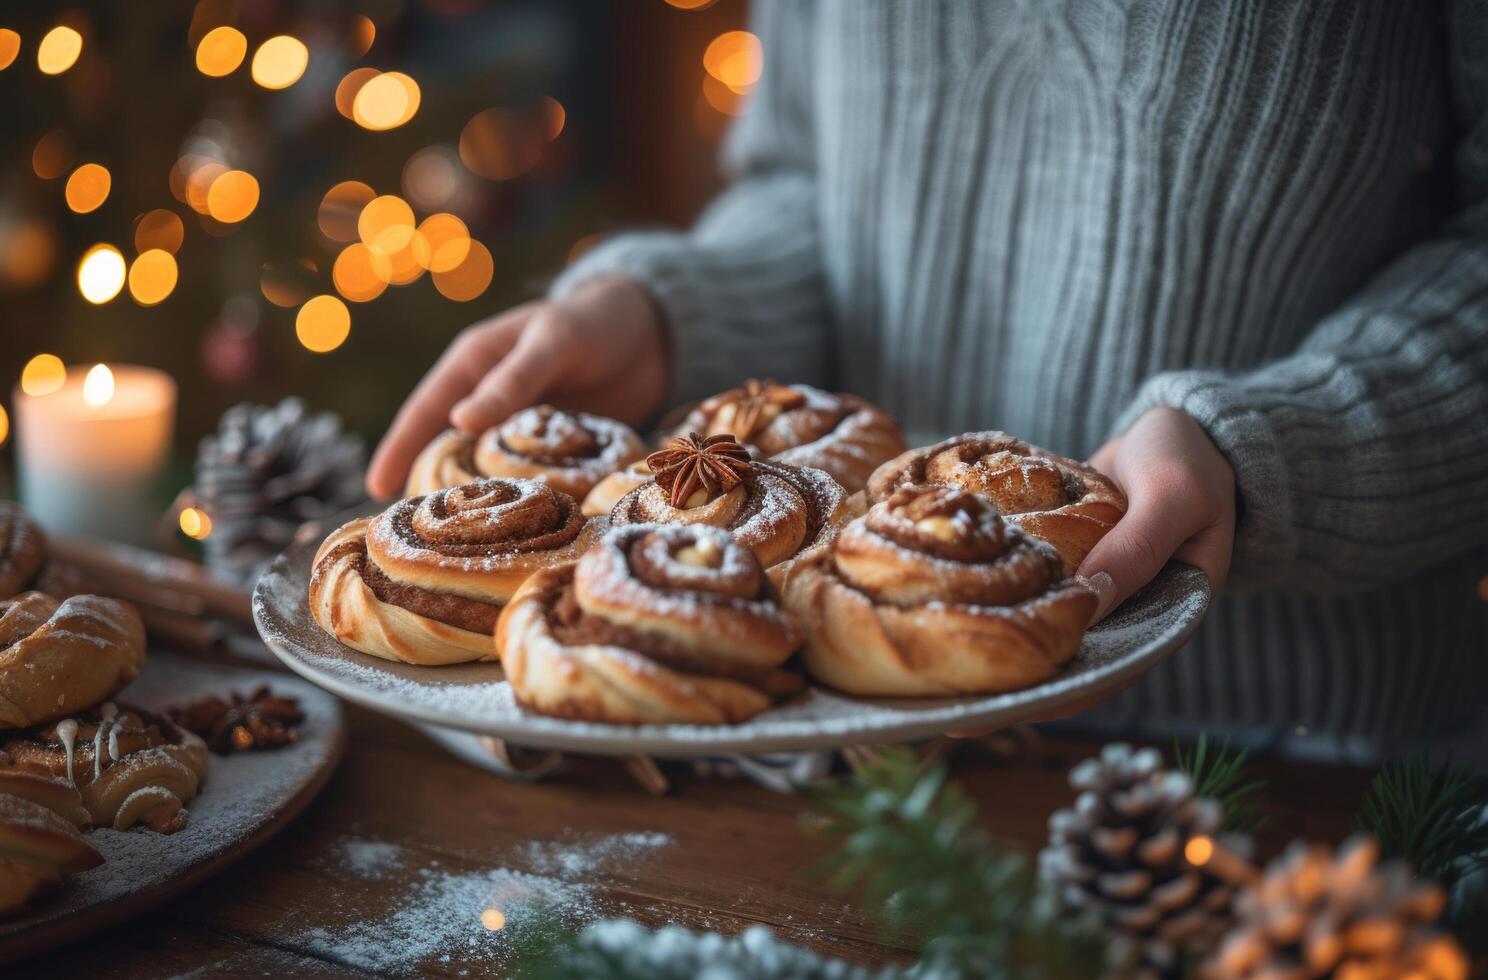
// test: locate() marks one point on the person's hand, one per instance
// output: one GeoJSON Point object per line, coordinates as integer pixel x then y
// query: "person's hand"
{"type": "Point", "coordinates": [602, 349]}
{"type": "Point", "coordinates": [1181, 504]}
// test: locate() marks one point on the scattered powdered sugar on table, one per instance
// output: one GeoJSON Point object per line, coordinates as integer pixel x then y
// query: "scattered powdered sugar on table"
{"type": "Point", "coordinates": [369, 859]}
{"type": "Point", "coordinates": [481, 916]}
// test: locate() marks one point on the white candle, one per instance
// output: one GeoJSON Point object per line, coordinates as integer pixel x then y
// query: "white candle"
{"type": "Point", "coordinates": [91, 451]}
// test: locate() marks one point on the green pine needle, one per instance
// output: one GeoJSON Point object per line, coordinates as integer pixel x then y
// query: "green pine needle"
{"type": "Point", "coordinates": [1218, 773]}
{"type": "Point", "coordinates": [1430, 816]}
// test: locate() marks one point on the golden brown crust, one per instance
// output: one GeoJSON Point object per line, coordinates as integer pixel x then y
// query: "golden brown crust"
{"type": "Point", "coordinates": [779, 512]}
{"type": "Point", "coordinates": [655, 624]}
{"type": "Point", "coordinates": [1068, 504]}
{"type": "Point", "coordinates": [569, 451]}
{"type": "Point", "coordinates": [22, 548]}
{"type": "Point", "coordinates": [60, 658]}
{"type": "Point", "coordinates": [842, 434]}
{"type": "Point", "coordinates": [607, 492]}
{"type": "Point", "coordinates": [36, 849]}
{"type": "Point", "coordinates": [424, 581]}
{"type": "Point", "coordinates": [933, 594]}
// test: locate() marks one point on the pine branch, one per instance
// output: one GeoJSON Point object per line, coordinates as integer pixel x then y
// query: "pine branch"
{"type": "Point", "coordinates": [1430, 816]}
{"type": "Point", "coordinates": [1218, 774]}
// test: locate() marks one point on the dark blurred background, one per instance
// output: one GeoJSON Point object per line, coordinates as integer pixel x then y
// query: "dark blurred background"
{"type": "Point", "coordinates": [541, 125]}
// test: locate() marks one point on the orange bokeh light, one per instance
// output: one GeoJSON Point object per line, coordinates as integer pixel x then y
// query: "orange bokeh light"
{"type": "Point", "coordinates": [349, 86]}
{"type": "Point", "coordinates": [323, 324]}
{"type": "Point", "coordinates": [52, 155]}
{"type": "Point", "coordinates": [340, 209]}
{"type": "Point", "coordinates": [447, 240]}
{"type": "Point", "coordinates": [221, 51]}
{"type": "Point", "coordinates": [470, 278]}
{"type": "Point", "coordinates": [10, 46]}
{"type": "Point", "coordinates": [500, 144]}
{"type": "Point", "coordinates": [280, 61]}
{"type": "Point", "coordinates": [59, 50]}
{"type": "Point", "coordinates": [152, 276]}
{"type": "Point", "coordinates": [386, 101]}
{"type": "Point", "coordinates": [88, 187]}
{"type": "Point", "coordinates": [386, 224]}
{"type": "Point", "coordinates": [160, 229]}
{"type": "Point", "coordinates": [361, 273]}
{"type": "Point", "coordinates": [232, 196]}
{"type": "Point", "coordinates": [736, 59]}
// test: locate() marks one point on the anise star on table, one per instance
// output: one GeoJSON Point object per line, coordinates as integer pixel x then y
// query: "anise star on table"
{"type": "Point", "coordinates": [262, 720]}
{"type": "Point", "coordinates": [752, 405]}
{"type": "Point", "coordinates": [714, 465]}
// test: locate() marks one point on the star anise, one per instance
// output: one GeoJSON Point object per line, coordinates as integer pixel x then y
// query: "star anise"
{"type": "Point", "coordinates": [755, 407]}
{"type": "Point", "coordinates": [262, 720]}
{"type": "Point", "coordinates": [714, 465]}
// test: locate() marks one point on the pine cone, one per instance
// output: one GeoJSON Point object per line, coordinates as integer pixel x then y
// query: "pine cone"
{"type": "Point", "coordinates": [1314, 915]}
{"type": "Point", "coordinates": [261, 720]}
{"type": "Point", "coordinates": [1119, 854]}
{"type": "Point", "coordinates": [265, 473]}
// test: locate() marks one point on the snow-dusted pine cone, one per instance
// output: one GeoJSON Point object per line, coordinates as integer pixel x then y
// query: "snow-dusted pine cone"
{"type": "Point", "coordinates": [1119, 854]}
{"type": "Point", "coordinates": [267, 471]}
{"type": "Point", "coordinates": [1316, 915]}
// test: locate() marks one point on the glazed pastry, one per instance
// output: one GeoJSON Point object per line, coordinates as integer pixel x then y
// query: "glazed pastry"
{"type": "Point", "coordinates": [1065, 503]}
{"type": "Point", "coordinates": [60, 658]}
{"type": "Point", "coordinates": [779, 512]}
{"type": "Point", "coordinates": [111, 766]}
{"type": "Point", "coordinates": [37, 848]}
{"type": "Point", "coordinates": [607, 492]}
{"type": "Point", "coordinates": [22, 547]}
{"type": "Point", "coordinates": [569, 451]}
{"type": "Point", "coordinates": [802, 426]}
{"type": "Point", "coordinates": [423, 581]}
{"type": "Point", "coordinates": [932, 593]}
{"type": "Point", "coordinates": [658, 623]}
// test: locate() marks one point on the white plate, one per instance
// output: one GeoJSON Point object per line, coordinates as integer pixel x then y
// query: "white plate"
{"type": "Point", "coordinates": [476, 697]}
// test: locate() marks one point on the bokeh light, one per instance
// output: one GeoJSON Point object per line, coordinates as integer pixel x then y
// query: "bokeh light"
{"type": "Point", "coordinates": [553, 114]}
{"type": "Point", "coordinates": [43, 374]}
{"type": "Point", "coordinates": [232, 196]}
{"type": "Point", "coordinates": [386, 224]}
{"type": "Point", "coordinates": [201, 174]}
{"type": "Point", "coordinates": [98, 385]}
{"type": "Point", "coordinates": [585, 244]}
{"type": "Point", "coordinates": [385, 101]}
{"type": "Point", "coordinates": [4, 425]}
{"type": "Point", "coordinates": [340, 209]}
{"type": "Point", "coordinates": [721, 97]}
{"type": "Point", "coordinates": [410, 261]}
{"type": "Point", "coordinates": [363, 33]}
{"type": "Point", "coordinates": [28, 248]}
{"type": "Point", "coordinates": [433, 177]}
{"type": "Point", "coordinates": [195, 523]}
{"type": "Point", "coordinates": [152, 276]}
{"type": "Point", "coordinates": [691, 4]}
{"type": "Point", "coordinates": [447, 241]}
{"type": "Point", "coordinates": [100, 273]}
{"type": "Point", "coordinates": [736, 59]}
{"type": "Point", "coordinates": [88, 187]}
{"type": "Point", "coordinates": [10, 46]}
{"type": "Point", "coordinates": [58, 50]}
{"type": "Point", "coordinates": [221, 51]}
{"type": "Point", "coordinates": [322, 324]}
{"type": "Point", "coordinates": [161, 228]}
{"type": "Point", "coordinates": [361, 273]}
{"type": "Point", "coordinates": [52, 155]}
{"type": "Point", "coordinates": [288, 284]}
{"type": "Point", "coordinates": [349, 86]}
{"type": "Point", "coordinates": [493, 919]}
{"type": "Point", "coordinates": [280, 61]}
{"type": "Point", "coordinates": [499, 144]}
{"type": "Point", "coordinates": [470, 278]}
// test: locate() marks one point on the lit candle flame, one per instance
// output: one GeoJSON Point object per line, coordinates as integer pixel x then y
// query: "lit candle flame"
{"type": "Point", "coordinates": [98, 386]}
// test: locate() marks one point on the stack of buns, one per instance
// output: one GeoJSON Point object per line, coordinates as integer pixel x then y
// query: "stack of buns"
{"type": "Point", "coordinates": [781, 532]}
{"type": "Point", "coordinates": [70, 758]}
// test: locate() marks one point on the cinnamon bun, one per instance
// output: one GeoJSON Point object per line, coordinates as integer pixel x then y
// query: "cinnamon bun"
{"type": "Point", "coordinates": [423, 581]}
{"type": "Point", "coordinates": [779, 512]}
{"type": "Point", "coordinates": [932, 593]}
{"type": "Point", "coordinates": [569, 451]}
{"type": "Point", "coordinates": [111, 766]}
{"type": "Point", "coordinates": [22, 547]}
{"type": "Point", "coordinates": [798, 425]}
{"type": "Point", "coordinates": [657, 623]}
{"type": "Point", "coordinates": [1068, 504]}
{"type": "Point", "coordinates": [57, 658]}
{"type": "Point", "coordinates": [36, 849]}
{"type": "Point", "coordinates": [607, 492]}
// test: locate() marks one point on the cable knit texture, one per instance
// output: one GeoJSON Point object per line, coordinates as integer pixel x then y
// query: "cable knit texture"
{"type": "Point", "coordinates": [1048, 217]}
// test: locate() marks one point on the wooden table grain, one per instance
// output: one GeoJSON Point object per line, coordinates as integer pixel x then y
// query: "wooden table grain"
{"type": "Point", "coordinates": [736, 856]}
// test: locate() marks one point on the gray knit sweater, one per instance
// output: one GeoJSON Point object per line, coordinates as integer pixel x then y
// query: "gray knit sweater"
{"type": "Point", "coordinates": [1046, 217]}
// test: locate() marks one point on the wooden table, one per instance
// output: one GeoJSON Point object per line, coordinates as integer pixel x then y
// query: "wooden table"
{"type": "Point", "coordinates": [736, 856]}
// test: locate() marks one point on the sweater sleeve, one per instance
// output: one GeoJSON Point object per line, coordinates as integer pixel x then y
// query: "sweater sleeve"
{"type": "Point", "coordinates": [1363, 456]}
{"type": "Point", "coordinates": [742, 291]}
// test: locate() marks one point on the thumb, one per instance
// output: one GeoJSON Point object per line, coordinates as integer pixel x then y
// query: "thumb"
{"type": "Point", "coordinates": [1131, 555]}
{"type": "Point", "coordinates": [521, 378]}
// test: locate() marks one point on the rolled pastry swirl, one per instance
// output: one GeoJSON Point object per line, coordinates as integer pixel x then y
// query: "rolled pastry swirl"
{"type": "Point", "coordinates": [932, 593]}
{"type": "Point", "coordinates": [1063, 502]}
{"type": "Point", "coordinates": [779, 512]}
{"type": "Point", "coordinates": [423, 581]}
{"type": "Point", "coordinates": [658, 623]}
{"type": "Point", "coordinates": [569, 451]}
{"type": "Point", "coordinates": [22, 547]}
{"type": "Point", "coordinates": [37, 848]}
{"type": "Point", "coordinates": [60, 658]}
{"type": "Point", "coordinates": [111, 766]}
{"type": "Point", "coordinates": [841, 434]}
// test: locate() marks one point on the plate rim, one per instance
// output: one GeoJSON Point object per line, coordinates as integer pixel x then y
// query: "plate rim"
{"type": "Point", "coordinates": [661, 740]}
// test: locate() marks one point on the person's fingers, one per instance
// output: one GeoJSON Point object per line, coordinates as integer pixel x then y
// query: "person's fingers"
{"type": "Point", "coordinates": [1209, 550]}
{"type": "Point", "coordinates": [426, 412]}
{"type": "Point", "coordinates": [1136, 549]}
{"type": "Point", "coordinates": [539, 357]}
{"type": "Point", "coordinates": [1104, 458]}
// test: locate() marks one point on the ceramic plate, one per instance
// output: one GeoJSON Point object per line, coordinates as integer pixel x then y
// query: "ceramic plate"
{"type": "Point", "coordinates": [476, 697]}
